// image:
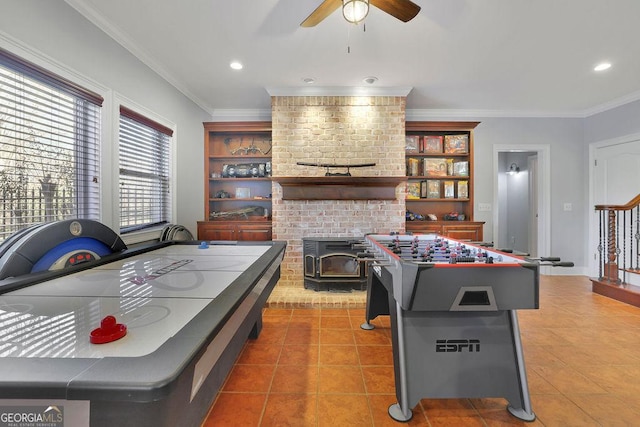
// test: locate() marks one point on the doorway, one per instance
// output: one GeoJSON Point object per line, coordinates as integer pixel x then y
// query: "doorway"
{"type": "Point", "coordinates": [521, 197]}
{"type": "Point", "coordinates": [614, 177]}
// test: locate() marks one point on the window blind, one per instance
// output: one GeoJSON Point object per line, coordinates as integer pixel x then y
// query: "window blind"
{"type": "Point", "coordinates": [144, 155]}
{"type": "Point", "coordinates": [49, 147]}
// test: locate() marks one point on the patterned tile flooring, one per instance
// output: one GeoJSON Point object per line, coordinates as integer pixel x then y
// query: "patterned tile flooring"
{"type": "Point", "coordinates": [313, 366]}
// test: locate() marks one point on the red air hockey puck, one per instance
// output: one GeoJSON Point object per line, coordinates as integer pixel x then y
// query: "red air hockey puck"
{"type": "Point", "coordinates": [108, 331]}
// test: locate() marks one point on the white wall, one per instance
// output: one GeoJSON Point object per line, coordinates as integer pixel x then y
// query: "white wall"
{"type": "Point", "coordinates": [51, 32]}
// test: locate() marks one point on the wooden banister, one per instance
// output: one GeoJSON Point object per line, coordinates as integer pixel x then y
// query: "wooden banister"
{"type": "Point", "coordinates": [630, 205]}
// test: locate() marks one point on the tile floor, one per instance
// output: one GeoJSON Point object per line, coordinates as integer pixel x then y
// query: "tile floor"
{"type": "Point", "coordinates": [316, 367]}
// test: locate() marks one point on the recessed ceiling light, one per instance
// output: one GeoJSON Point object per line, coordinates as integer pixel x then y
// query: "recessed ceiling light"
{"type": "Point", "coordinates": [236, 65]}
{"type": "Point", "coordinates": [602, 66]}
{"type": "Point", "coordinates": [370, 80]}
{"type": "Point", "coordinates": [309, 80]}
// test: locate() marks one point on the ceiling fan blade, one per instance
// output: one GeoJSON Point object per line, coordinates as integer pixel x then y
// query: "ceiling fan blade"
{"type": "Point", "coordinates": [404, 10]}
{"type": "Point", "coordinates": [326, 8]}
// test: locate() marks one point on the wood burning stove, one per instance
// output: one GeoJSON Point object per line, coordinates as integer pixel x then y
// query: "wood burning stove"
{"type": "Point", "coordinates": [331, 264]}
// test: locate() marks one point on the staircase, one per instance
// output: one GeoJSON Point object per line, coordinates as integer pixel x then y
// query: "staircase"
{"type": "Point", "coordinates": [619, 252]}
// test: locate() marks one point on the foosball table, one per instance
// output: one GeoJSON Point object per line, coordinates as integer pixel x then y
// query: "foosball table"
{"type": "Point", "coordinates": [454, 325]}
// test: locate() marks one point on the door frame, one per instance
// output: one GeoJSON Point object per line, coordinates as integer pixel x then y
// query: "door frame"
{"type": "Point", "coordinates": [544, 192]}
{"type": "Point", "coordinates": [591, 251]}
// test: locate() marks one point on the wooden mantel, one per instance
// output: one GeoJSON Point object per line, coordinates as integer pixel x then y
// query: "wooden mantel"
{"type": "Point", "coordinates": [339, 187]}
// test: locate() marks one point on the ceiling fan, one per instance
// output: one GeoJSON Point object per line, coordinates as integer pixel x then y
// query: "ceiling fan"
{"type": "Point", "coordinates": [356, 11]}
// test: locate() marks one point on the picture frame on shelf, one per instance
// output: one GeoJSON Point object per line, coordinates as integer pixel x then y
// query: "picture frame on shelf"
{"type": "Point", "coordinates": [413, 190]}
{"type": "Point", "coordinates": [423, 189]}
{"type": "Point", "coordinates": [433, 144]}
{"type": "Point", "coordinates": [456, 144]}
{"type": "Point", "coordinates": [433, 189]}
{"type": "Point", "coordinates": [449, 189]}
{"type": "Point", "coordinates": [463, 189]}
{"type": "Point", "coordinates": [461, 168]}
{"type": "Point", "coordinates": [413, 167]}
{"type": "Point", "coordinates": [412, 143]}
{"type": "Point", "coordinates": [435, 166]}
{"type": "Point", "coordinates": [243, 193]}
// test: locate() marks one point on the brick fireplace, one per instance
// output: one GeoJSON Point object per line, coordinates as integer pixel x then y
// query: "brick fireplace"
{"type": "Point", "coordinates": [339, 130]}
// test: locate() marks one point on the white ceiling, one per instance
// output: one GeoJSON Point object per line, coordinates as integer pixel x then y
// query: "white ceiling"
{"type": "Point", "coordinates": [463, 57]}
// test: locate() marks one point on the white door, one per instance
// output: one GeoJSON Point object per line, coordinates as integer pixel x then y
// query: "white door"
{"type": "Point", "coordinates": [616, 181]}
{"type": "Point", "coordinates": [617, 173]}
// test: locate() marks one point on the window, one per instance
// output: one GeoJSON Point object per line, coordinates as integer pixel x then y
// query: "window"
{"type": "Point", "coordinates": [49, 147]}
{"type": "Point", "coordinates": [144, 172]}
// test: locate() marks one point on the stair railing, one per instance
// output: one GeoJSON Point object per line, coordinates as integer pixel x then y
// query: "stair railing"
{"type": "Point", "coordinates": [619, 241]}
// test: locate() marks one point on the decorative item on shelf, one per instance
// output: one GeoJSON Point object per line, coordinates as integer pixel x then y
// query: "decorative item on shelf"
{"type": "Point", "coordinates": [448, 190]}
{"type": "Point", "coordinates": [413, 167]}
{"type": "Point", "coordinates": [221, 194]}
{"type": "Point", "coordinates": [433, 189]}
{"type": "Point", "coordinates": [431, 217]}
{"type": "Point", "coordinates": [235, 147]}
{"type": "Point", "coordinates": [244, 213]}
{"type": "Point", "coordinates": [461, 168]}
{"type": "Point", "coordinates": [433, 144]}
{"type": "Point", "coordinates": [454, 216]}
{"type": "Point", "coordinates": [423, 189]}
{"type": "Point", "coordinates": [456, 144]}
{"type": "Point", "coordinates": [451, 216]}
{"type": "Point", "coordinates": [463, 189]}
{"type": "Point", "coordinates": [244, 170]}
{"type": "Point", "coordinates": [435, 167]}
{"type": "Point", "coordinates": [412, 216]}
{"type": "Point", "coordinates": [243, 193]}
{"type": "Point", "coordinates": [412, 144]}
{"type": "Point", "coordinates": [449, 167]}
{"type": "Point", "coordinates": [413, 190]}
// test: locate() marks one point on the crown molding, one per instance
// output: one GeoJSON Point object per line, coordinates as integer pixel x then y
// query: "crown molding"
{"type": "Point", "coordinates": [627, 99]}
{"type": "Point", "coordinates": [124, 40]}
{"type": "Point", "coordinates": [339, 91]}
{"type": "Point", "coordinates": [232, 115]}
{"type": "Point", "coordinates": [427, 114]}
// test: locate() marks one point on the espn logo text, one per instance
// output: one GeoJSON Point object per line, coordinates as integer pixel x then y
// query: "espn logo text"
{"type": "Point", "coordinates": [457, 346]}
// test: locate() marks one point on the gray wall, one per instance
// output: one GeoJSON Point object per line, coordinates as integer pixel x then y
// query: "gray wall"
{"type": "Point", "coordinates": [568, 174]}
{"type": "Point", "coordinates": [54, 31]}
{"type": "Point", "coordinates": [614, 123]}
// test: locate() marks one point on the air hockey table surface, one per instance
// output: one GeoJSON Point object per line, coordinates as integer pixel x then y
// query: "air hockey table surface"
{"type": "Point", "coordinates": [184, 307]}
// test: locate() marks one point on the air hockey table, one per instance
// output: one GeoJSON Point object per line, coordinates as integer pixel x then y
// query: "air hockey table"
{"type": "Point", "coordinates": [95, 333]}
{"type": "Point", "coordinates": [453, 311]}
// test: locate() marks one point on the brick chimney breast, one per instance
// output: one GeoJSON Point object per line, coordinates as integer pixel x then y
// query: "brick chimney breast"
{"type": "Point", "coordinates": [338, 130]}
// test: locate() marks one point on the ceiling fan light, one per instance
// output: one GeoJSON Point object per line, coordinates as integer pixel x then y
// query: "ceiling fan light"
{"type": "Point", "coordinates": [355, 11]}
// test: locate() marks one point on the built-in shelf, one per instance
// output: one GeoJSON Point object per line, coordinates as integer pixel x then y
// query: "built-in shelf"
{"type": "Point", "coordinates": [339, 187]}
